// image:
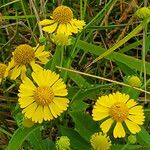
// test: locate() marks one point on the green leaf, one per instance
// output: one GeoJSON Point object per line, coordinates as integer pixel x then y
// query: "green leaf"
{"type": "Point", "coordinates": [56, 59]}
{"type": "Point", "coordinates": [130, 147]}
{"type": "Point", "coordinates": [77, 142]}
{"type": "Point", "coordinates": [46, 145]}
{"type": "Point", "coordinates": [35, 139]}
{"type": "Point", "coordinates": [125, 69]}
{"type": "Point", "coordinates": [20, 135]}
{"type": "Point", "coordinates": [84, 124]}
{"type": "Point", "coordinates": [131, 62]}
{"type": "Point", "coordinates": [79, 80]}
{"type": "Point", "coordinates": [143, 137]}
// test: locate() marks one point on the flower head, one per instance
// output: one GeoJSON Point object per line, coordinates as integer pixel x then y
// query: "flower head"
{"type": "Point", "coordinates": [62, 22]}
{"type": "Point", "coordinates": [25, 56]}
{"type": "Point", "coordinates": [61, 39]}
{"type": "Point", "coordinates": [118, 109]}
{"type": "Point", "coordinates": [143, 13]}
{"type": "Point", "coordinates": [100, 141]}
{"type": "Point", "coordinates": [2, 71]}
{"type": "Point", "coordinates": [44, 98]}
{"type": "Point", "coordinates": [63, 143]}
{"type": "Point", "coordinates": [134, 81]}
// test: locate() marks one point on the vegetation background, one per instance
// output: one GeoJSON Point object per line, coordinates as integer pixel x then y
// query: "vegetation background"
{"type": "Point", "coordinates": [108, 21]}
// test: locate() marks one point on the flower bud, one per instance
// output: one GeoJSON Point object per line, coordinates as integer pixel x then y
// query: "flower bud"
{"type": "Point", "coordinates": [134, 81]}
{"type": "Point", "coordinates": [143, 12]}
{"type": "Point", "coordinates": [63, 143]}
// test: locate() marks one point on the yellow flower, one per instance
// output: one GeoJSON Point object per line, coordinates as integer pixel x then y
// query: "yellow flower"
{"type": "Point", "coordinates": [63, 143]}
{"type": "Point", "coordinates": [44, 98]}
{"type": "Point", "coordinates": [24, 56]}
{"type": "Point", "coordinates": [61, 39]}
{"type": "Point", "coordinates": [100, 141]}
{"type": "Point", "coordinates": [2, 71]}
{"type": "Point", "coordinates": [62, 22]}
{"type": "Point", "coordinates": [119, 110]}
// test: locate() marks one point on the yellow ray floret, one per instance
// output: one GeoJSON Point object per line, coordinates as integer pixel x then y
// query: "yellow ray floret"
{"type": "Point", "coordinates": [25, 56]}
{"type": "Point", "coordinates": [44, 98]}
{"type": "Point", "coordinates": [118, 109]}
{"type": "Point", "coordinates": [62, 22]}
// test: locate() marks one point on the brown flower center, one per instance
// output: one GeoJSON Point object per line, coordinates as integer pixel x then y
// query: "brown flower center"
{"type": "Point", "coordinates": [2, 70]}
{"type": "Point", "coordinates": [43, 95]}
{"type": "Point", "coordinates": [23, 54]}
{"type": "Point", "coordinates": [62, 14]}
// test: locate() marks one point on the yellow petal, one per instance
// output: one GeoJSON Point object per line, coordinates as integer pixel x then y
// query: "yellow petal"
{"type": "Point", "coordinates": [99, 116]}
{"type": "Point", "coordinates": [47, 113]}
{"type": "Point", "coordinates": [119, 130]}
{"type": "Point", "coordinates": [139, 119]}
{"type": "Point", "coordinates": [59, 88]}
{"type": "Point", "coordinates": [104, 101]}
{"type": "Point", "coordinates": [45, 77]}
{"type": "Point", "coordinates": [131, 103]}
{"type": "Point", "coordinates": [39, 49]}
{"type": "Point", "coordinates": [35, 66]}
{"type": "Point", "coordinates": [24, 102]}
{"type": "Point", "coordinates": [135, 110]}
{"type": "Point", "coordinates": [23, 72]}
{"type": "Point", "coordinates": [133, 127]}
{"type": "Point", "coordinates": [30, 110]}
{"type": "Point", "coordinates": [60, 102]}
{"type": "Point", "coordinates": [105, 126]}
{"type": "Point", "coordinates": [62, 28]}
{"type": "Point", "coordinates": [15, 72]}
{"type": "Point", "coordinates": [54, 110]}
{"type": "Point", "coordinates": [46, 22]}
{"type": "Point", "coordinates": [44, 59]}
{"type": "Point", "coordinates": [50, 28]}
{"type": "Point", "coordinates": [10, 66]}
{"type": "Point", "coordinates": [37, 116]}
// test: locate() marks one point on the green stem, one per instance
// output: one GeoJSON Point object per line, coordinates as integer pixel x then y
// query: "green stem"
{"type": "Point", "coordinates": [143, 55]}
{"type": "Point", "coordinates": [84, 8]}
{"type": "Point", "coordinates": [56, 58]}
{"type": "Point", "coordinates": [62, 55]}
{"type": "Point", "coordinates": [81, 10]}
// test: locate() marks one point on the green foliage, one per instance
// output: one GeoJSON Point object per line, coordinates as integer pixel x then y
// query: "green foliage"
{"type": "Point", "coordinates": [111, 46]}
{"type": "Point", "coordinates": [20, 135]}
{"type": "Point", "coordinates": [85, 127]}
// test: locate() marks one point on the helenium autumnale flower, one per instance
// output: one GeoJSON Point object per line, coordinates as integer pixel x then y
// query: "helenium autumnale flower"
{"type": "Point", "coordinates": [119, 110]}
{"type": "Point", "coordinates": [62, 22]}
{"type": "Point", "coordinates": [44, 98]}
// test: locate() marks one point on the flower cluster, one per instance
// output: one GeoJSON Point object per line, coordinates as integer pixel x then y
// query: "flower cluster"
{"type": "Point", "coordinates": [43, 94]}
